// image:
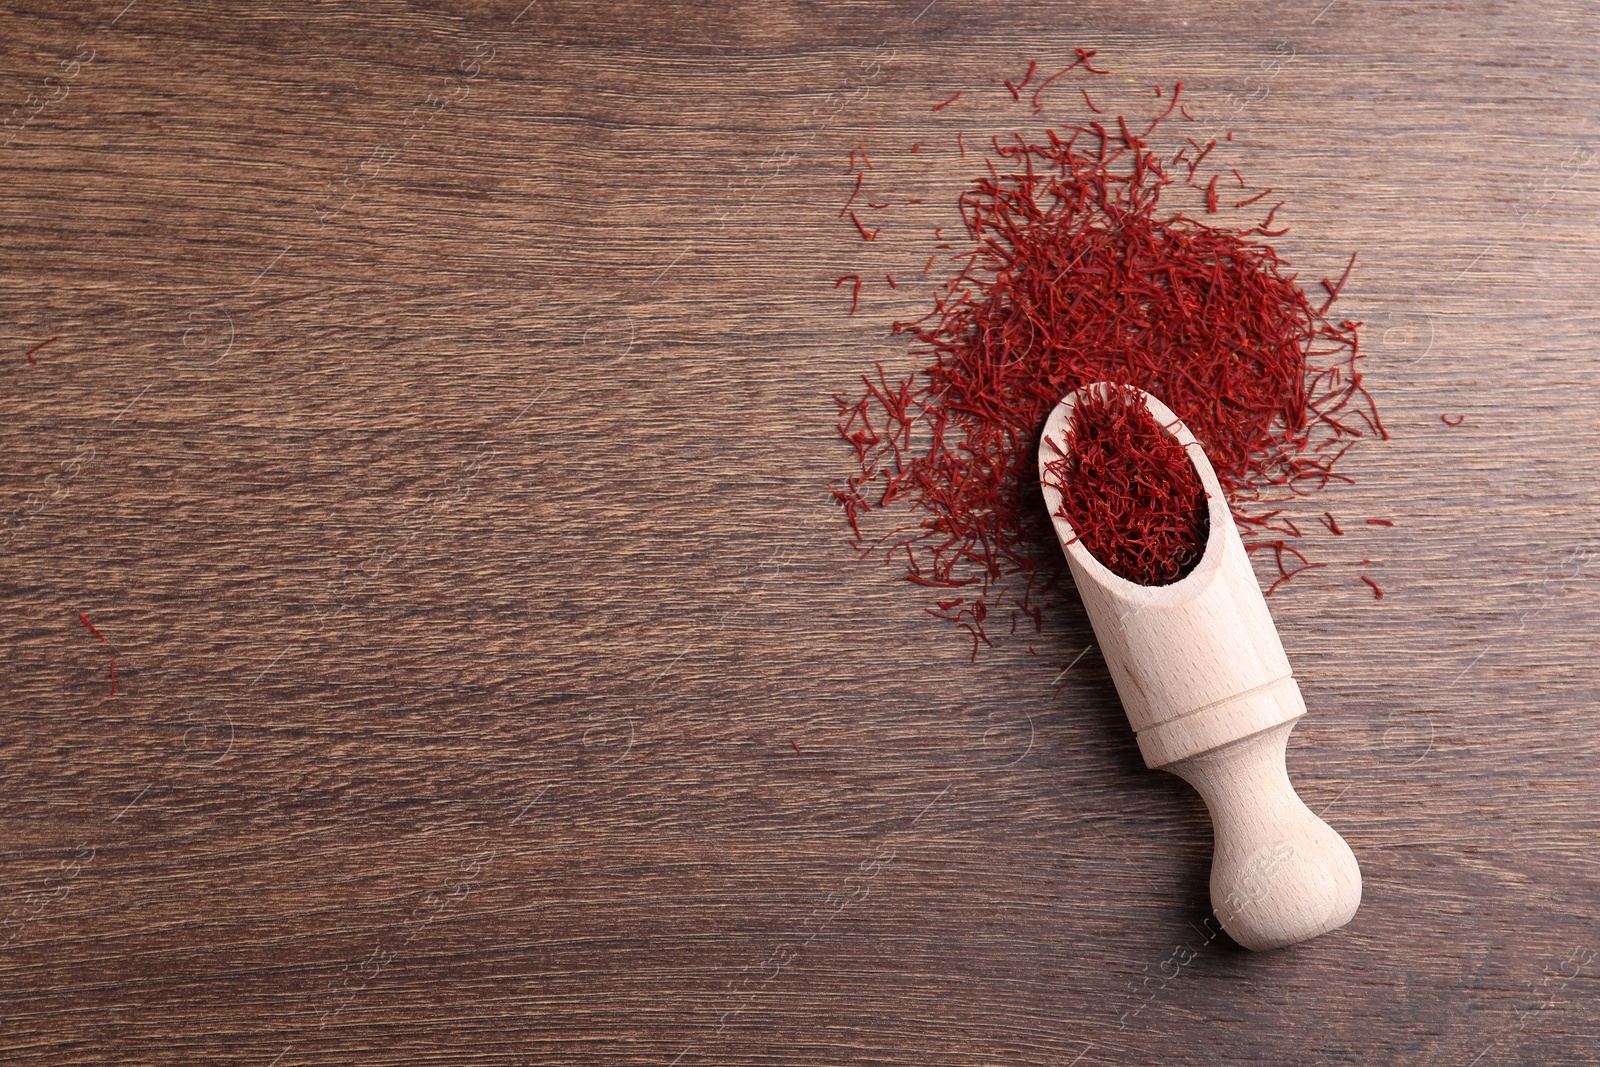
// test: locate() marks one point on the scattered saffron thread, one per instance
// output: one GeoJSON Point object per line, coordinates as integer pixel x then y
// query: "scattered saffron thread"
{"type": "Point", "coordinates": [1081, 61]}
{"type": "Point", "coordinates": [1086, 54]}
{"type": "Point", "coordinates": [853, 195]}
{"type": "Point", "coordinates": [947, 103]}
{"type": "Point", "coordinates": [1376, 592]}
{"type": "Point", "coordinates": [797, 751]}
{"type": "Point", "coordinates": [1253, 199]}
{"type": "Point", "coordinates": [865, 236]}
{"type": "Point", "coordinates": [1335, 290]}
{"type": "Point", "coordinates": [1379, 522]}
{"type": "Point", "coordinates": [1088, 101]}
{"type": "Point", "coordinates": [855, 297]}
{"type": "Point", "coordinates": [1446, 420]}
{"type": "Point", "coordinates": [36, 348]}
{"type": "Point", "coordinates": [1333, 527]}
{"type": "Point", "coordinates": [890, 279]}
{"type": "Point", "coordinates": [90, 625]}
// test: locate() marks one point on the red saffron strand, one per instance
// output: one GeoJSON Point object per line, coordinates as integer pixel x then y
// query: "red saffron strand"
{"type": "Point", "coordinates": [890, 279]}
{"type": "Point", "coordinates": [864, 159]}
{"type": "Point", "coordinates": [865, 236]}
{"type": "Point", "coordinates": [797, 751]}
{"type": "Point", "coordinates": [961, 145]}
{"type": "Point", "coordinates": [1335, 290]}
{"type": "Point", "coordinates": [1088, 101]}
{"type": "Point", "coordinates": [1377, 593]}
{"type": "Point", "coordinates": [1085, 54]}
{"type": "Point", "coordinates": [1332, 525]}
{"type": "Point", "coordinates": [1379, 522]}
{"type": "Point", "coordinates": [1446, 420]}
{"type": "Point", "coordinates": [36, 348]}
{"type": "Point", "coordinates": [1211, 196]}
{"type": "Point", "coordinates": [1236, 174]}
{"type": "Point", "coordinates": [855, 297]}
{"type": "Point", "coordinates": [90, 625]}
{"type": "Point", "coordinates": [1081, 61]}
{"type": "Point", "coordinates": [1253, 199]}
{"type": "Point", "coordinates": [854, 193]}
{"type": "Point", "coordinates": [1033, 65]}
{"type": "Point", "coordinates": [947, 103]}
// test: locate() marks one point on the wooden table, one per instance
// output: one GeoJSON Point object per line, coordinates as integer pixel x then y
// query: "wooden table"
{"type": "Point", "coordinates": [435, 427]}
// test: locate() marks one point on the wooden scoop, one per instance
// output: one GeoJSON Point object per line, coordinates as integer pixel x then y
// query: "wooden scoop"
{"type": "Point", "coordinates": [1210, 694]}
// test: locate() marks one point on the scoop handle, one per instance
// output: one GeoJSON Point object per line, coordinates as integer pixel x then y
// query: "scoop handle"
{"type": "Point", "coordinates": [1279, 873]}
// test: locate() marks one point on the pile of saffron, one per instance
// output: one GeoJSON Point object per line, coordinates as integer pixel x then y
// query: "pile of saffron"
{"type": "Point", "coordinates": [1129, 490]}
{"type": "Point", "coordinates": [1076, 274]}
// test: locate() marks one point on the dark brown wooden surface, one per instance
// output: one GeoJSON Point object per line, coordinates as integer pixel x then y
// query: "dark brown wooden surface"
{"type": "Point", "coordinates": [437, 430]}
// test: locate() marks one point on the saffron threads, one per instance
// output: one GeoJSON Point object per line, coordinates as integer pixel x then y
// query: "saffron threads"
{"type": "Point", "coordinates": [1334, 290]}
{"type": "Point", "coordinates": [797, 751]}
{"type": "Point", "coordinates": [947, 103]}
{"type": "Point", "coordinates": [890, 279]}
{"type": "Point", "coordinates": [90, 625]}
{"type": "Point", "coordinates": [1129, 490]}
{"type": "Point", "coordinates": [859, 175]}
{"type": "Point", "coordinates": [36, 348]}
{"type": "Point", "coordinates": [865, 236]}
{"type": "Point", "coordinates": [1379, 522]}
{"type": "Point", "coordinates": [1076, 274]}
{"type": "Point", "coordinates": [1446, 420]}
{"type": "Point", "coordinates": [1377, 593]}
{"type": "Point", "coordinates": [1090, 102]}
{"type": "Point", "coordinates": [1333, 527]}
{"type": "Point", "coordinates": [855, 297]}
{"type": "Point", "coordinates": [1279, 548]}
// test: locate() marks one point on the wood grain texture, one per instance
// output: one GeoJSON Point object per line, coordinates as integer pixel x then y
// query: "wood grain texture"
{"type": "Point", "coordinates": [437, 430]}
